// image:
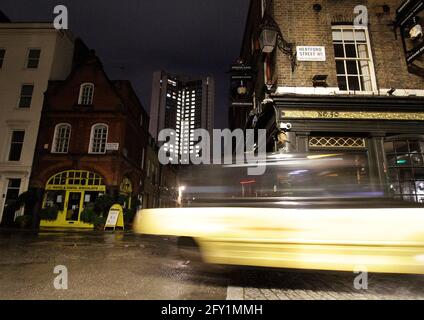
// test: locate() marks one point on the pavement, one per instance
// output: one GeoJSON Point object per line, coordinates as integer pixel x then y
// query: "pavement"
{"type": "Point", "coordinates": [123, 265]}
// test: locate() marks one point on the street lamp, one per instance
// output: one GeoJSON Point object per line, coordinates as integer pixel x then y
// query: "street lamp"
{"type": "Point", "coordinates": [268, 37]}
{"type": "Point", "coordinates": [271, 36]}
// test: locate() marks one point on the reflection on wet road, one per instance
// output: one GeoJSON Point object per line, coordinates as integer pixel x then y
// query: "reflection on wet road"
{"type": "Point", "coordinates": [122, 265]}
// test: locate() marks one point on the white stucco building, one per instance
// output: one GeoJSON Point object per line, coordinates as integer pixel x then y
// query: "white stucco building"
{"type": "Point", "coordinates": [31, 54]}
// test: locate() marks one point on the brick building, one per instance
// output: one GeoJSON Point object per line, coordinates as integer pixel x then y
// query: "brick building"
{"type": "Point", "coordinates": [341, 76]}
{"type": "Point", "coordinates": [161, 183]}
{"type": "Point", "coordinates": [92, 140]}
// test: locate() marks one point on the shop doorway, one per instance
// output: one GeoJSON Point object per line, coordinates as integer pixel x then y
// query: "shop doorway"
{"type": "Point", "coordinates": [74, 206]}
{"type": "Point", "coordinates": [11, 195]}
{"type": "Point", "coordinates": [70, 192]}
{"type": "Point", "coordinates": [125, 190]}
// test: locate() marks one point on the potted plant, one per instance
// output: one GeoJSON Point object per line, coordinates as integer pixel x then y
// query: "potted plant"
{"type": "Point", "coordinates": [24, 221]}
{"type": "Point", "coordinates": [49, 213]}
{"type": "Point", "coordinates": [89, 215]}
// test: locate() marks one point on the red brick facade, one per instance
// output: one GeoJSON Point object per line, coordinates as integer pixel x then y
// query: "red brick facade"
{"type": "Point", "coordinates": [114, 104]}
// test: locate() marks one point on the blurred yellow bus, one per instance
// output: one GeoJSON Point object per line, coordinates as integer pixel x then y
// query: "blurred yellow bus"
{"type": "Point", "coordinates": [306, 212]}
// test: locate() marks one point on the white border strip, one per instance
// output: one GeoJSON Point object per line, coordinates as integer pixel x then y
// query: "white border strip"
{"type": "Point", "coordinates": [235, 293]}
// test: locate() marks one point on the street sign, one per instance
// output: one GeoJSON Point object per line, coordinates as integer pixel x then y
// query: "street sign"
{"type": "Point", "coordinates": [112, 146]}
{"type": "Point", "coordinates": [310, 53]}
{"type": "Point", "coordinates": [241, 67]}
{"type": "Point", "coordinates": [115, 218]}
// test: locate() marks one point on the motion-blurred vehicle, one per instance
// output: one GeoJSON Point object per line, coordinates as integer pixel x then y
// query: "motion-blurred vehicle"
{"type": "Point", "coordinates": [306, 212]}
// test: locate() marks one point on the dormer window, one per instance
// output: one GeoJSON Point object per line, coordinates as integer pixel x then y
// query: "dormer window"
{"type": "Point", "coordinates": [86, 94]}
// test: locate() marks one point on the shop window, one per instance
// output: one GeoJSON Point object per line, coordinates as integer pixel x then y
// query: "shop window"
{"type": "Point", "coordinates": [354, 65]}
{"type": "Point", "coordinates": [126, 186]}
{"type": "Point", "coordinates": [126, 189]}
{"type": "Point", "coordinates": [400, 146]}
{"type": "Point", "coordinates": [74, 177]}
{"type": "Point", "coordinates": [90, 198]}
{"type": "Point", "coordinates": [406, 169]}
{"type": "Point", "coordinates": [55, 199]}
{"type": "Point", "coordinates": [72, 191]}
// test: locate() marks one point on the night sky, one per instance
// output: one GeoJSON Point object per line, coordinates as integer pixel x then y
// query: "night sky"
{"type": "Point", "coordinates": [136, 37]}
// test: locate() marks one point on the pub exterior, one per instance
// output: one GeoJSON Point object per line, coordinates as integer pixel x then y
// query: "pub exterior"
{"type": "Point", "coordinates": [326, 82]}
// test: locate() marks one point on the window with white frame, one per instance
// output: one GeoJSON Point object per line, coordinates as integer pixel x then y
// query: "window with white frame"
{"type": "Point", "coordinates": [86, 94]}
{"type": "Point", "coordinates": [98, 138]}
{"type": "Point", "coordinates": [62, 135]}
{"type": "Point", "coordinates": [354, 64]}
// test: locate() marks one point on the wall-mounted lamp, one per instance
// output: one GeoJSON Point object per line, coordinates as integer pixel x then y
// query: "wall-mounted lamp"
{"type": "Point", "coordinates": [268, 37]}
{"type": "Point", "coordinates": [271, 37]}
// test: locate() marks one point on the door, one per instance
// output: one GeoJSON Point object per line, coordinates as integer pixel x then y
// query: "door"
{"type": "Point", "coordinates": [73, 209]}
{"type": "Point", "coordinates": [12, 194]}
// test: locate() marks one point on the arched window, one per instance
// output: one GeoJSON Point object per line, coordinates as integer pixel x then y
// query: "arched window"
{"type": "Point", "coordinates": [62, 135]}
{"type": "Point", "coordinates": [86, 94]}
{"type": "Point", "coordinates": [98, 138]}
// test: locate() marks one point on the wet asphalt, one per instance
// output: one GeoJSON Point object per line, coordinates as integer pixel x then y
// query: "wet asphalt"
{"type": "Point", "coordinates": [123, 265]}
{"type": "Point", "coordinates": [111, 265]}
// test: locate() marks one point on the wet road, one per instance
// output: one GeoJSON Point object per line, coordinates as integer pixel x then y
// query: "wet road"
{"type": "Point", "coordinates": [122, 265]}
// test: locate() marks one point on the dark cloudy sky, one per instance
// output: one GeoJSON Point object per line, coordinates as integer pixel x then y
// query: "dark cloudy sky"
{"type": "Point", "coordinates": [136, 37]}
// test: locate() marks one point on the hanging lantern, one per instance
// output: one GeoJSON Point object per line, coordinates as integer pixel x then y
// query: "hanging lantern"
{"type": "Point", "coordinates": [242, 89]}
{"type": "Point", "coordinates": [268, 38]}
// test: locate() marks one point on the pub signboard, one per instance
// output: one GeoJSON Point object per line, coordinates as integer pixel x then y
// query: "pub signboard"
{"type": "Point", "coordinates": [241, 84]}
{"type": "Point", "coordinates": [409, 19]}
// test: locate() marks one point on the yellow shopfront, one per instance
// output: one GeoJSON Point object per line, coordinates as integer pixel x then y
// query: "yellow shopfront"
{"type": "Point", "coordinates": [125, 190]}
{"type": "Point", "coordinates": [70, 192]}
